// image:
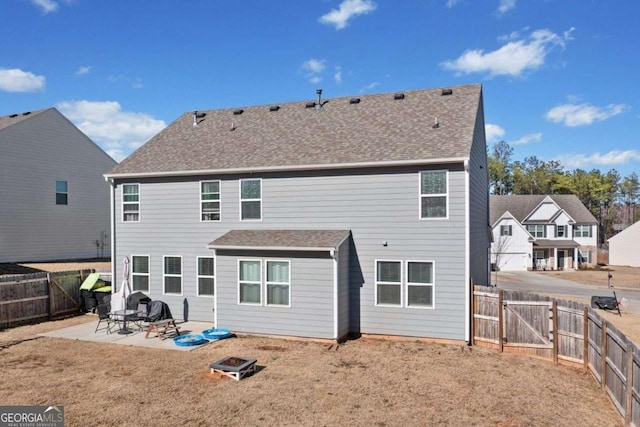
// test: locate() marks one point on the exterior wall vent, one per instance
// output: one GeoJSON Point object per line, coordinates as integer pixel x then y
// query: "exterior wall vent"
{"type": "Point", "coordinates": [354, 101]}
{"type": "Point", "coordinates": [274, 108]}
{"type": "Point", "coordinates": [238, 112]}
{"type": "Point", "coordinates": [446, 92]}
{"type": "Point", "coordinates": [398, 96]}
{"type": "Point", "coordinates": [310, 105]}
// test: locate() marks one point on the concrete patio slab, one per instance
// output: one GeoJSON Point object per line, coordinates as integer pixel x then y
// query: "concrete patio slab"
{"type": "Point", "coordinates": [86, 332]}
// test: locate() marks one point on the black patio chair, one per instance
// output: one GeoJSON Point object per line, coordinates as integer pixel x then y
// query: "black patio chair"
{"type": "Point", "coordinates": [142, 317]}
{"type": "Point", "coordinates": [104, 316]}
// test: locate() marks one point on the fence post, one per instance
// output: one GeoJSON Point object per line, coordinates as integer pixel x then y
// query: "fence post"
{"type": "Point", "coordinates": [500, 321]}
{"type": "Point", "coordinates": [50, 291]}
{"type": "Point", "coordinates": [629, 384]}
{"type": "Point", "coordinates": [603, 356]}
{"type": "Point", "coordinates": [585, 342]}
{"type": "Point", "coordinates": [554, 320]}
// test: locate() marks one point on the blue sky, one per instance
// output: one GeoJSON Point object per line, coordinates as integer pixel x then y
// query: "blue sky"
{"type": "Point", "coordinates": [560, 77]}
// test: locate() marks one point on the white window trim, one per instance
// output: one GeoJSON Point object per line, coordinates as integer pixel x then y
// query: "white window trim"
{"type": "Point", "coordinates": [122, 202]}
{"type": "Point", "coordinates": [580, 251]}
{"type": "Point", "coordinates": [219, 199]}
{"type": "Point", "coordinates": [565, 228]}
{"type": "Point", "coordinates": [66, 183]}
{"type": "Point", "coordinates": [509, 230]}
{"type": "Point", "coordinates": [420, 195]}
{"type": "Point", "coordinates": [580, 227]}
{"type": "Point", "coordinates": [544, 231]}
{"type": "Point", "coordinates": [165, 275]}
{"type": "Point", "coordinates": [432, 285]}
{"type": "Point", "coordinates": [249, 200]}
{"type": "Point", "coordinates": [199, 276]}
{"type": "Point", "coordinates": [148, 275]}
{"type": "Point", "coordinates": [375, 277]}
{"type": "Point", "coordinates": [249, 281]}
{"type": "Point", "coordinates": [267, 283]}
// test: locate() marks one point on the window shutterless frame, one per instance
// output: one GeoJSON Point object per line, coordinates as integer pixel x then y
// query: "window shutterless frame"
{"type": "Point", "coordinates": [434, 194]}
{"type": "Point", "coordinates": [62, 193]}
{"type": "Point", "coordinates": [174, 275]}
{"type": "Point", "coordinates": [250, 198]}
{"type": "Point", "coordinates": [130, 203]}
{"type": "Point", "coordinates": [381, 283]}
{"type": "Point", "coordinates": [272, 282]}
{"type": "Point", "coordinates": [247, 281]}
{"type": "Point", "coordinates": [210, 201]}
{"type": "Point", "coordinates": [140, 274]}
{"type": "Point", "coordinates": [206, 277]}
{"type": "Point", "coordinates": [420, 284]}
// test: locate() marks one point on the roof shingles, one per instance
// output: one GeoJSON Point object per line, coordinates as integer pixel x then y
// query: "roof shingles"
{"type": "Point", "coordinates": [281, 239]}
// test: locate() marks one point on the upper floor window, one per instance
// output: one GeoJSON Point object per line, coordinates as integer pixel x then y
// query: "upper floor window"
{"type": "Point", "coordinates": [506, 230]}
{"type": "Point", "coordinates": [62, 195]}
{"type": "Point", "coordinates": [210, 201]}
{"type": "Point", "coordinates": [433, 194]}
{"type": "Point", "coordinates": [140, 273]}
{"type": "Point", "coordinates": [131, 202]}
{"type": "Point", "coordinates": [173, 275]}
{"type": "Point", "coordinates": [206, 276]}
{"type": "Point", "coordinates": [388, 283]}
{"type": "Point", "coordinates": [582, 230]}
{"type": "Point", "coordinates": [537, 230]}
{"type": "Point", "coordinates": [561, 231]}
{"type": "Point", "coordinates": [250, 199]}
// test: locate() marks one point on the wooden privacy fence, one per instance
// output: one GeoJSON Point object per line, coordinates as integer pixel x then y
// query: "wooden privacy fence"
{"type": "Point", "coordinates": [564, 332]}
{"type": "Point", "coordinates": [27, 298]}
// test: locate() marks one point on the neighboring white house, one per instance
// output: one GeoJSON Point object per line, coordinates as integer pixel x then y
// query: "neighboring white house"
{"type": "Point", "coordinates": [54, 203]}
{"type": "Point", "coordinates": [624, 247]}
{"type": "Point", "coordinates": [538, 232]}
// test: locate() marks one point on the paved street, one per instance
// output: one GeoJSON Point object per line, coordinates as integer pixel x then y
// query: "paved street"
{"type": "Point", "coordinates": [545, 284]}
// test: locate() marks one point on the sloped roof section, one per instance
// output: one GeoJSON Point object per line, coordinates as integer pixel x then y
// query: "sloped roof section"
{"type": "Point", "coordinates": [281, 239]}
{"type": "Point", "coordinates": [377, 129]}
{"type": "Point", "coordinates": [12, 119]}
{"type": "Point", "coordinates": [520, 206]}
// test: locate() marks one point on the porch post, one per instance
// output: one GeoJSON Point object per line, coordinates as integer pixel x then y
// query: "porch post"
{"type": "Point", "coordinates": [575, 258]}
{"type": "Point", "coordinates": [555, 258]}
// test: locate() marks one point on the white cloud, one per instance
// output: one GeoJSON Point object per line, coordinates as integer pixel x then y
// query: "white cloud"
{"type": "Point", "coordinates": [83, 70]}
{"type": "Point", "coordinates": [512, 59]}
{"type": "Point", "coordinates": [16, 80]}
{"type": "Point", "coordinates": [451, 3]}
{"type": "Point", "coordinates": [347, 10]}
{"type": "Point", "coordinates": [611, 159]}
{"type": "Point", "coordinates": [118, 132]}
{"type": "Point", "coordinates": [47, 6]}
{"type": "Point", "coordinates": [530, 137]}
{"type": "Point", "coordinates": [369, 87]}
{"type": "Point", "coordinates": [314, 65]}
{"type": "Point", "coordinates": [506, 5]}
{"type": "Point", "coordinates": [337, 76]}
{"type": "Point", "coordinates": [583, 114]}
{"type": "Point", "coordinates": [315, 79]}
{"type": "Point", "coordinates": [493, 132]}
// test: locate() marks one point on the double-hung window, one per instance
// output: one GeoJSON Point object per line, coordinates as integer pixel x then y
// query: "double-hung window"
{"type": "Point", "coordinates": [420, 284]}
{"type": "Point", "coordinates": [561, 231]}
{"type": "Point", "coordinates": [62, 194]}
{"type": "Point", "coordinates": [251, 199]}
{"type": "Point", "coordinates": [250, 282]}
{"type": "Point", "coordinates": [278, 283]}
{"type": "Point", "coordinates": [433, 194]}
{"type": "Point", "coordinates": [582, 230]}
{"type": "Point", "coordinates": [140, 273]}
{"type": "Point", "coordinates": [210, 200]}
{"type": "Point", "coordinates": [389, 283]}
{"type": "Point", "coordinates": [506, 230]}
{"type": "Point", "coordinates": [584, 256]}
{"type": "Point", "coordinates": [206, 276]}
{"type": "Point", "coordinates": [537, 230]}
{"type": "Point", "coordinates": [130, 202]}
{"type": "Point", "coordinates": [173, 275]}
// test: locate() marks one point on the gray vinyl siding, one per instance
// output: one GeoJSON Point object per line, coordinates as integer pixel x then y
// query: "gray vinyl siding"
{"type": "Point", "coordinates": [343, 289]}
{"type": "Point", "coordinates": [35, 153]}
{"type": "Point", "coordinates": [311, 311]}
{"type": "Point", "coordinates": [377, 205]}
{"type": "Point", "coordinates": [479, 228]}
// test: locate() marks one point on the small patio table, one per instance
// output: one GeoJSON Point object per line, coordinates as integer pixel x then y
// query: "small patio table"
{"type": "Point", "coordinates": [124, 315]}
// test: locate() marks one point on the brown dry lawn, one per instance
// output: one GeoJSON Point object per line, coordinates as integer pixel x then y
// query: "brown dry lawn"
{"type": "Point", "coordinates": [300, 383]}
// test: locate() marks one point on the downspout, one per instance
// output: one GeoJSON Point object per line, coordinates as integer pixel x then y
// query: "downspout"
{"type": "Point", "coordinates": [467, 257]}
{"type": "Point", "coordinates": [334, 255]}
{"type": "Point", "coordinates": [112, 215]}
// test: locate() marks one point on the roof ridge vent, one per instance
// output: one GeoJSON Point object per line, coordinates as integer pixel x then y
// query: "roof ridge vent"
{"type": "Point", "coordinates": [446, 92]}
{"type": "Point", "coordinates": [238, 112]}
{"type": "Point", "coordinates": [354, 101]}
{"type": "Point", "coordinates": [13, 115]}
{"type": "Point", "coordinates": [27, 113]}
{"type": "Point", "coordinates": [274, 108]}
{"type": "Point", "coordinates": [398, 96]}
{"type": "Point", "coordinates": [310, 105]}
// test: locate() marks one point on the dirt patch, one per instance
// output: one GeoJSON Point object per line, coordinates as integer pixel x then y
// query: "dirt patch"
{"type": "Point", "coordinates": [623, 277]}
{"type": "Point", "coordinates": [368, 382]}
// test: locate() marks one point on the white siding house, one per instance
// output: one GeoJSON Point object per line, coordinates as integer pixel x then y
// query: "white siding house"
{"type": "Point", "coordinates": [55, 202]}
{"type": "Point", "coordinates": [361, 215]}
{"type": "Point", "coordinates": [624, 247]}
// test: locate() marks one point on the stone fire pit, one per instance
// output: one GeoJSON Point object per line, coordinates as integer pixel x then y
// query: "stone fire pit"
{"type": "Point", "coordinates": [234, 367]}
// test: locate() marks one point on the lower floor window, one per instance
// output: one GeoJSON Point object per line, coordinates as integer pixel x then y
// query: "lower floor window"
{"type": "Point", "coordinates": [140, 273]}
{"type": "Point", "coordinates": [418, 286]}
{"type": "Point", "coordinates": [584, 256]}
{"type": "Point", "coordinates": [173, 275]}
{"type": "Point", "coordinates": [276, 286]}
{"type": "Point", "coordinates": [206, 276]}
{"type": "Point", "coordinates": [249, 282]}
{"type": "Point", "coordinates": [278, 283]}
{"type": "Point", "coordinates": [388, 283]}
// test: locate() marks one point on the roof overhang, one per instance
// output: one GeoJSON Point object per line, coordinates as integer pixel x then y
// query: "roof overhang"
{"type": "Point", "coordinates": [281, 240]}
{"type": "Point", "coordinates": [293, 168]}
{"type": "Point", "coordinates": [546, 243]}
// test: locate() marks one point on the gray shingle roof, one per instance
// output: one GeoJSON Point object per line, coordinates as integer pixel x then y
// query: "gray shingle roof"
{"type": "Point", "coordinates": [281, 239]}
{"type": "Point", "coordinates": [6, 121]}
{"type": "Point", "coordinates": [377, 129]}
{"type": "Point", "coordinates": [520, 206]}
